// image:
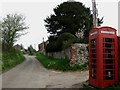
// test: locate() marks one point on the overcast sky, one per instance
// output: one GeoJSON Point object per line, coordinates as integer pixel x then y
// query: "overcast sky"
{"type": "Point", "coordinates": [36, 11]}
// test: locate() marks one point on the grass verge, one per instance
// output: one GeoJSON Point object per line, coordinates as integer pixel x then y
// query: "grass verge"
{"type": "Point", "coordinates": [11, 59]}
{"type": "Point", "coordinates": [0, 61]}
{"type": "Point", "coordinates": [58, 64]}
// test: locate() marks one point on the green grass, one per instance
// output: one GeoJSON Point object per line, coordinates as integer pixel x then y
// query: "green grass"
{"type": "Point", "coordinates": [0, 56]}
{"type": "Point", "coordinates": [58, 64]}
{"type": "Point", "coordinates": [11, 59]}
{"type": "Point", "coordinates": [0, 61]}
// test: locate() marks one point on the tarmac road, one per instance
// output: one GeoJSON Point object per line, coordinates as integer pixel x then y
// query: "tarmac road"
{"type": "Point", "coordinates": [31, 74]}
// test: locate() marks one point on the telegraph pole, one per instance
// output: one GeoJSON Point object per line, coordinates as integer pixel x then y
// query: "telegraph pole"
{"type": "Point", "coordinates": [43, 43]}
{"type": "Point", "coordinates": [95, 14]}
{"type": "Point", "coordinates": [43, 46]}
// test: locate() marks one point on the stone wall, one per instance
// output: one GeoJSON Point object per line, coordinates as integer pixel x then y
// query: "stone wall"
{"type": "Point", "coordinates": [60, 55]}
{"type": "Point", "coordinates": [77, 54]}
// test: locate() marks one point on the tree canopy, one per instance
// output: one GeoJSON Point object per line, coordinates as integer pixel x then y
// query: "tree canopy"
{"type": "Point", "coordinates": [31, 50]}
{"type": "Point", "coordinates": [72, 17]}
{"type": "Point", "coordinates": [12, 27]}
{"type": "Point", "coordinates": [69, 19]}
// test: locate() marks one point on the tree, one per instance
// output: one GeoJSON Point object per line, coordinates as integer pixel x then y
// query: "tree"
{"type": "Point", "coordinates": [31, 51]}
{"type": "Point", "coordinates": [12, 27]}
{"type": "Point", "coordinates": [71, 17]}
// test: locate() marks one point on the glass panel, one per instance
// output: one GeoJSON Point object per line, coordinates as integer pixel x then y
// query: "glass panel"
{"type": "Point", "coordinates": [93, 73]}
{"type": "Point", "coordinates": [108, 51]}
{"type": "Point", "coordinates": [93, 43]}
{"type": "Point", "coordinates": [109, 78]}
{"type": "Point", "coordinates": [93, 66]}
{"type": "Point", "coordinates": [108, 66]}
{"type": "Point", "coordinates": [109, 61]}
{"type": "Point", "coordinates": [108, 56]}
{"type": "Point", "coordinates": [93, 55]}
{"type": "Point", "coordinates": [107, 71]}
{"type": "Point", "coordinates": [109, 75]}
{"type": "Point", "coordinates": [93, 51]}
{"type": "Point", "coordinates": [108, 46]}
{"type": "Point", "coordinates": [108, 39]}
{"type": "Point", "coordinates": [93, 58]}
{"type": "Point", "coordinates": [93, 61]}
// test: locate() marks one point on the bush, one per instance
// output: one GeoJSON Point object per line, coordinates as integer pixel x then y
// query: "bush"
{"type": "Point", "coordinates": [64, 41]}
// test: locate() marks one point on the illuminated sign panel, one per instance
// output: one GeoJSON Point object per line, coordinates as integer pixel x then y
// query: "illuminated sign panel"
{"type": "Point", "coordinates": [93, 33]}
{"type": "Point", "coordinates": [107, 32]}
{"type": "Point", "coordinates": [103, 32]}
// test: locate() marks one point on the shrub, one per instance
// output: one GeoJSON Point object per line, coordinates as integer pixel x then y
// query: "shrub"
{"type": "Point", "coordinates": [64, 41]}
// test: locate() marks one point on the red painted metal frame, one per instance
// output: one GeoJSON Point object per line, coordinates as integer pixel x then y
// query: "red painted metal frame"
{"type": "Point", "coordinates": [96, 34]}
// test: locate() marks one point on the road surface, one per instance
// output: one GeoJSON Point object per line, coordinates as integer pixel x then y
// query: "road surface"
{"type": "Point", "coordinates": [31, 74]}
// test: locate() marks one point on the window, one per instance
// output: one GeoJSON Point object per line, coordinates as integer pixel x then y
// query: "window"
{"type": "Point", "coordinates": [93, 57]}
{"type": "Point", "coordinates": [93, 43]}
{"type": "Point", "coordinates": [108, 40]}
{"type": "Point", "coordinates": [109, 58]}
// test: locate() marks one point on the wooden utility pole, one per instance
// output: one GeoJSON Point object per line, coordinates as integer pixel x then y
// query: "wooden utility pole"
{"type": "Point", "coordinates": [95, 14]}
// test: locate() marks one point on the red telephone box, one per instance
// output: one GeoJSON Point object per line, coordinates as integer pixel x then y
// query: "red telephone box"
{"type": "Point", "coordinates": [103, 57]}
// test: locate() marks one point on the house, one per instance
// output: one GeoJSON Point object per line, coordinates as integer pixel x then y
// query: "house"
{"type": "Point", "coordinates": [18, 47]}
{"type": "Point", "coordinates": [42, 46]}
